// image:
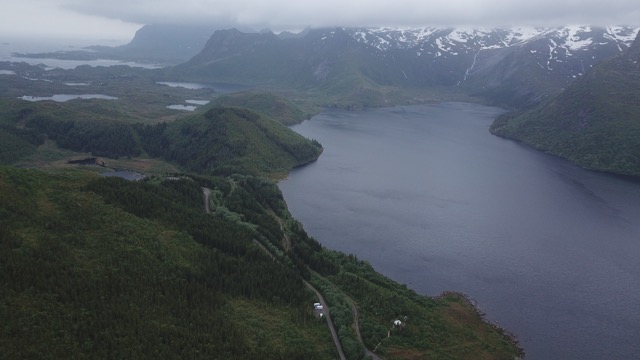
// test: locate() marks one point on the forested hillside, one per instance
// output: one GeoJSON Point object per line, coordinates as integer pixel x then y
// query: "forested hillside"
{"type": "Point", "coordinates": [268, 104]}
{"type": "Point", "coordinates": [101, 268]}
{"type": "Point", "coordinates": [217, 141]}
{"type": "Point", "coordinates": [227, 141]}
{"type": "Point", "coordinates": [97, 267]}
{"type": "Point", "coordinates": [595, 122]}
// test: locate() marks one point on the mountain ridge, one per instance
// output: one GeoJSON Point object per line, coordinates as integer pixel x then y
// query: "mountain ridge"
{"type": "Point", "coordinates": [153, 43]}
{"type": "Point", "coordinates": [513, 67]}
{"type": "Point", "coordinates": [593, 123]}
{"type": "Point", "coordinates": [490, 63]}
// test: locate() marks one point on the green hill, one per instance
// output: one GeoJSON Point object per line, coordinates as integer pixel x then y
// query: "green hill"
{"type": "Point", "coordinates": [228, 141]}
{"type": "Point", "coordinates": [594, 123]}
{"type": "Point", "coordinates": [101, 268]}
{"type": "Point", "coordinates": [268, 104]}
{"type": "Point", "coordinates": [219, 140]}
{"type": "Point", "coordinates": [96, 267]}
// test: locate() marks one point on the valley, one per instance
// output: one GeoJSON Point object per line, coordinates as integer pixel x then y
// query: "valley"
{"type": "Point", "coordinates": [120, 250]}
{"type": "Point", "coordinates": [226, 149]}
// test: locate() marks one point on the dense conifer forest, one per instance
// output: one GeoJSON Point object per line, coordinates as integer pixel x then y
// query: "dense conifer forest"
{"type": "Point", "coordinates": [100, 267]}
{"type": "Point", "coordinates": [96, 267]}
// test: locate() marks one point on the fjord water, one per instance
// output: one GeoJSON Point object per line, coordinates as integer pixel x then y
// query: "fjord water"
{"type": "Point", "coordinates": [433, 200]}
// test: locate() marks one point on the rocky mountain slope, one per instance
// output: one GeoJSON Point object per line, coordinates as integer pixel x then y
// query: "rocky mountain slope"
{"type": "Point", "coordinates": [164, 43]}
{"type": "Point", "coordinates": [511, 67]}
{"type": "Point", "coordinates": [159, 44]}
{"type": "Point", "coordinates": [595, 122]}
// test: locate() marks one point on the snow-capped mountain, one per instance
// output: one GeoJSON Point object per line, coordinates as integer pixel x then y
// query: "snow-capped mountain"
{"type": "Point", "coordinates": [449, 41]}
{"type": "Point", "coordinates": [512, 66]}
{"type": "Point", "coordinates": [519, 64]}
{"type": "Point", "coordinates": [595, 122]}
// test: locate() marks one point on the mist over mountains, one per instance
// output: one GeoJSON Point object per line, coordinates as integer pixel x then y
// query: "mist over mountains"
{"type": "Point", "coordinates": [233, 275]}
{"type": "Point", "coordinates": [580, 81]}
{"type": "Point", "coordinates": [164, 43]}
{"type": "Point", "coordinates": [511, 67]}
{"type": "Point", "coordinates": [517, 68]}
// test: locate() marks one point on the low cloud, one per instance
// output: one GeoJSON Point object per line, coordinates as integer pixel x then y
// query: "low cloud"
{"type": "Point", "coordinates": [46, 19]}
{"type": "Point", "coordinates": [295, 14]}
{"type": "Point", "coordinates": [118, 19]}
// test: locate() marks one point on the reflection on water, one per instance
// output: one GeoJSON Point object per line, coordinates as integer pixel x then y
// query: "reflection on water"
{"type": "Point", "coordinates": [125, 174]}
{"type": "Point", "coordinates": [50, 64]}
{"type": "Point", "coordinates": [433, 200]}
{"type": "Point", "coordinates": [67, 97]}
{"type": "Point", "coordinates": [186, 85]}
{"type": "Point", "coordinates": [197, 102]}
{"type": "Point", "coordinates": [26, 45]}
{"type": "Point", "coordinates": [192, 107]}
{"type": "Point", "coordinates": [182, 107]}
{"type": "Point", "coordinates": [218, 87]}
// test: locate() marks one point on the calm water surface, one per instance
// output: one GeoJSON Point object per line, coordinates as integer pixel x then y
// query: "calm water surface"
{"type": "Point", "coordinates": [433, 200]}
{"type": "Point", "coordinates": [9, 46]}
{"type": "Point", "coordinates": [125, 174]}
{"type": "Point", "coordinates": [219, 87]}
{"type": "Point", "coordinates": [67, 97]}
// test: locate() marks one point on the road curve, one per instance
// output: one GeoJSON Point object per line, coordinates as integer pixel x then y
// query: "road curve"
{"type": "Point", "coordinates": [327, 314]}
{"type": "Point", "coordinates": [356, 324]}
{"type": "Point", "coordinates": [206, 192]}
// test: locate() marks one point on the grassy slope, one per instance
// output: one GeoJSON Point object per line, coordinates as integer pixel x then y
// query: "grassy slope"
{"type": "Point", "coordinates": [268, 104]}
{"type": "Point", "coordinates": [446, 327]}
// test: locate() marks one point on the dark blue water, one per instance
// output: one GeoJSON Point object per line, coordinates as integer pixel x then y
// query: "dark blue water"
{"type": "Point", "coordinates": [433, 200]}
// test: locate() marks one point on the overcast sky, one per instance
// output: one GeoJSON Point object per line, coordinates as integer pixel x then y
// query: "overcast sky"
{"type": "Point", "coordinates": [119, 19]}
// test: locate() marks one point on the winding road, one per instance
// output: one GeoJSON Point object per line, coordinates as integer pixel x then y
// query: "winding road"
{"type": "Point", "coordinates": [356, 325]}
{"type": "Point", "coordinates": [327, 312]}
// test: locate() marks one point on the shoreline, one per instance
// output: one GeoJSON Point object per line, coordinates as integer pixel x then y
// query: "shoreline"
{"type": "Point", "coordinates": [506, 333]}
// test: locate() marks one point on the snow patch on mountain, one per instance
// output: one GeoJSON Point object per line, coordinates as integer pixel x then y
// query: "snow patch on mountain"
{"type": "Point", "coordinates": [387, 38]}
{"type": "Point", "coordinates": [622, 34]}
{"type": "Point", "coordinates": [454, 41]}
{"type": "Point", "coordinates": [518, 35]}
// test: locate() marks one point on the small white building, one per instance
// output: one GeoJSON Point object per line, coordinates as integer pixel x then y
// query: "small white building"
{"type": "Point", "coordinates": [397, 323]}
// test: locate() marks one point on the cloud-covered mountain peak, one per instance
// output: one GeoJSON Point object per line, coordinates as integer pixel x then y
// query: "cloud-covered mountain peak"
{"type": "Point", "coordinates": [517, 65]}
